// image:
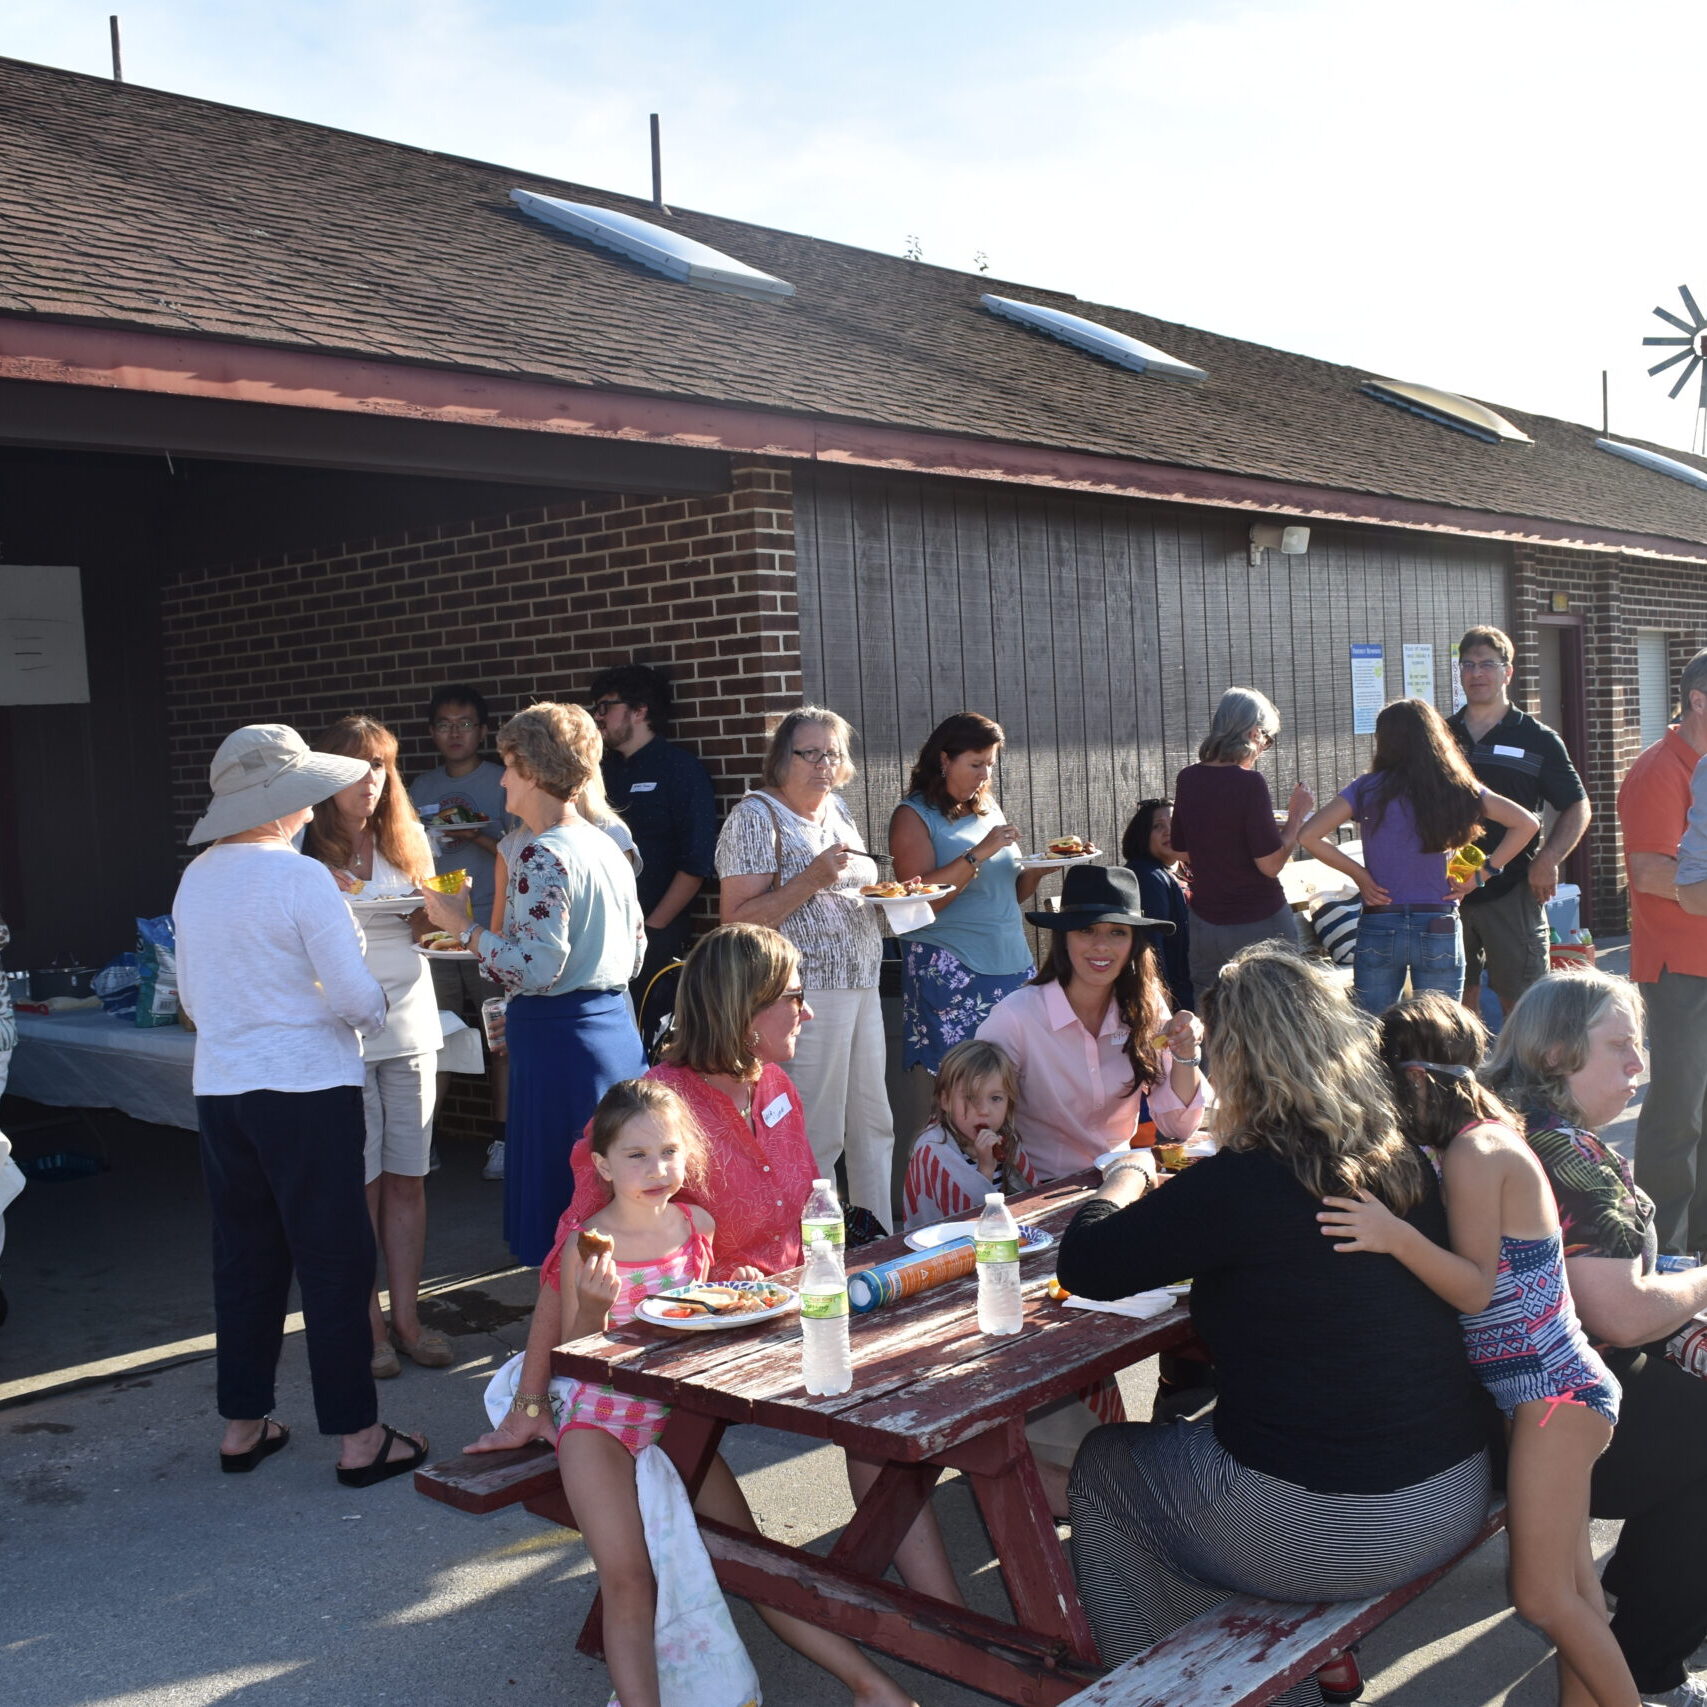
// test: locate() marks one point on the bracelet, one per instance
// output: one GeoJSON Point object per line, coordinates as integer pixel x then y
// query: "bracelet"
{"type": "Point", "coordinates": [1187, 1060]}
{"type": "Point", "coordinates": [531, 1404]}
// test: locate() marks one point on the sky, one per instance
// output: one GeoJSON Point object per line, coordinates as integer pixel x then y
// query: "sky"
{"type": "Point", "coordinates": [1485, 195]}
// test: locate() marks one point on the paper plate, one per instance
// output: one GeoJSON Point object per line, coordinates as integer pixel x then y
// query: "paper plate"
{"type": "Point", "coordinates": [934, 893]}
{"type": "Point", "coordinates": [649, 1310]}
{"type": "Point", "coordinates": [1056, 862]}
{"type": "Point", "coordinates": [446, 953]}
{"type": "Point", "coordinates": [1031, 1239]}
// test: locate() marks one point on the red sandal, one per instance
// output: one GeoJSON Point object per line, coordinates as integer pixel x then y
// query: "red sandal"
{"type": "Point", "coordinates": [1340, 1680]}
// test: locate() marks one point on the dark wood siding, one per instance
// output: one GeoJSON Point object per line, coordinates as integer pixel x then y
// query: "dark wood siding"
{"type": "Point", "coordinates": [1101, 632]}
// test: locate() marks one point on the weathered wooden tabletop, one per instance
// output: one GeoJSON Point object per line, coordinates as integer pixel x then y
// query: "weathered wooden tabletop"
{"type": "Point", "coordinates": [930, 1392]}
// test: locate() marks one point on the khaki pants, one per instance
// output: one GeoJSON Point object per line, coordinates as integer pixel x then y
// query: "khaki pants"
{"type": "Point", "coordinates": [838, 1068]}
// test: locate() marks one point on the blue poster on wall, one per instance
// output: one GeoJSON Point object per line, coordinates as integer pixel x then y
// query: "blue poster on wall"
{"type": "Point", "coordinates": [1368, 685]}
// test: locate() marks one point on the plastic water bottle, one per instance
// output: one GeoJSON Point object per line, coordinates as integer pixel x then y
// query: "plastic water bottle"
{"type": "Point", "coordinates": [1001, 1310]}
{"type": "Point", "coordinates": [826, 1363]}
{"type": "Point", "coordinates": [821, 1222]}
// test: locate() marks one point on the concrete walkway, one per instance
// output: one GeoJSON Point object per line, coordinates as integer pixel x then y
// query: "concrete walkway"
{"type": "Point", "coordinates": [134, 1574]}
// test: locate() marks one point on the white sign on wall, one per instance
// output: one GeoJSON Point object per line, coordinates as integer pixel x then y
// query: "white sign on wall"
{"type": "Point", "coordinates": [1419, 671]}
{"type": "Point", "coordinates": [1368, 685]}
{"type": "Point", "coordinates": [42, 660]}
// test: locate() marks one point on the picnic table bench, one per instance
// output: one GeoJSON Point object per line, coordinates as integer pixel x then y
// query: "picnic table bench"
{"type": "Point", "coordinates": [930, 1393]}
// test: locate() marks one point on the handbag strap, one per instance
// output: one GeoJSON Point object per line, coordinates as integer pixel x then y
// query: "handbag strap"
{"type": "Point", "coordinates": [776, 828]}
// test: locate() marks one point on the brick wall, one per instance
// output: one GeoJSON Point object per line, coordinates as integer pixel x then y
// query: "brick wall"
{"type": "Point", "coordinates": [1615, 596]}
{"type": "Point", "coordinates": [524, 606]}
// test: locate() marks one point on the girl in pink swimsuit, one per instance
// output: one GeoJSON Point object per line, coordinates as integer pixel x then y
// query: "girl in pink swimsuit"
{"type": "Point", "coordinates": [1505, 1276]}
{"type": "Point", "coordinates": [646, 1147]}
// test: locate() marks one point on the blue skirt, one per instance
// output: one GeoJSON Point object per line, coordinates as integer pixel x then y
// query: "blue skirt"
{"type": "Point", "coordinates": [565, 1053]}
{"type": "Point", "coordinates": [943, 1003]}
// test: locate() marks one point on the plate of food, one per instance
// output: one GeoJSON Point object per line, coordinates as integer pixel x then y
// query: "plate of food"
{"type": "Point", "coordinates": [442, 945]}
{"type": "Point", "coordinates": [1062, 851]}
{"type": "Point", "coordinates": [366, 905]}
{"type": "Point", "coordinates": [456, 818]}
{"type": "Point", "coordinates": [1031, 1239]}
{"type": "Point", "coordinates": [883, 894]}
{"type": "Point", "coordinates": [705, 1305]}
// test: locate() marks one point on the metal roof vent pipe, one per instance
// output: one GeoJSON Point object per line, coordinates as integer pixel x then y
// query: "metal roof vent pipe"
{"type": "Point", "coordinates": [657, 168]}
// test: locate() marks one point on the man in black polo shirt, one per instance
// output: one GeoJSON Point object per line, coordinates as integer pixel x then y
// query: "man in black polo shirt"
{"type": "Point", "coordinates": [1505, 923]}
{"type": "Point", "coordinates": [664, 795]}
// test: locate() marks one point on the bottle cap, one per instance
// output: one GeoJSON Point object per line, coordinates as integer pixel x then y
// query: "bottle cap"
{"type": "Point", "coordinates": [993, 1197]}
{"type": "Point", "coordinates": [823, 1185]}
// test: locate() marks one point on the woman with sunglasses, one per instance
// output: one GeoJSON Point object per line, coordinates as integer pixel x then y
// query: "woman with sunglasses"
{"type": "Point", "coordinates": [1224, 822]}
{"type": "Point", "coordinates": [791, 857]}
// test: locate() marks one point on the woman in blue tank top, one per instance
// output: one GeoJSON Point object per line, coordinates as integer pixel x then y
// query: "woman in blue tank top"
{"type": "Point", "coordinates": [950, 830]}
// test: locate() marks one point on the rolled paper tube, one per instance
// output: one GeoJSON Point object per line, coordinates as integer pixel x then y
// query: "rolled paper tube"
{"type": "Point", "coordinates": [902, 1277]}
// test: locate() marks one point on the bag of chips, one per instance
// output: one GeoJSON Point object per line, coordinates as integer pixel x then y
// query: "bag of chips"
{"type": "Point", "coordinates": [157, 994]}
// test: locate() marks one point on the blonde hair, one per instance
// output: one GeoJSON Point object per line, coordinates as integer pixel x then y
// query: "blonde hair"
{"type": "Point", "coordinates": [554, 746]}
{"type": "Point", "coordinates": [968, 1064]}
{"type": "Point", "coordinates": [593, 803]}
{"type": "Point", "coordinates": [1296, 1074]}
{"type": "Point", "coordinates": [731, 973]}
{"type": "Point", "coordinates": [397, 832]}
{"type": "Point", "coordinates": [628, 1098]}
{"type": "Point", "coordinates": [1544, 1039]}
{"type": "Point", "coordinates": [774, 771]}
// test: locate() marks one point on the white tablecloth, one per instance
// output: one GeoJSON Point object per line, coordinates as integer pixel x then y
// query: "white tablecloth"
{"type": "Point", "coordinates": [91, 1060]}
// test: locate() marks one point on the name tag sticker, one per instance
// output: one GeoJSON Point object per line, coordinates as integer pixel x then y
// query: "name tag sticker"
{"type": "Point", "coordinates": [643, 788]}
{"type": "Point", "coordinates": [775, 1109]}
{"type": "Point", "coordinates": [1510, 753]}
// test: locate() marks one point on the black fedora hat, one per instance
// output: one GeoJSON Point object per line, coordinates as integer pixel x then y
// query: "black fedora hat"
{"type": "Point", "coordinates": [1100, 895]}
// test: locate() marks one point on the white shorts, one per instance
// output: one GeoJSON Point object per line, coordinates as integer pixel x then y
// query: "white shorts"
{"type": "Point", "coordinates": [397, 1098]}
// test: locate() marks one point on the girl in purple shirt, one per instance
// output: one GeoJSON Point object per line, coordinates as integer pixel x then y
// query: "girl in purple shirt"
{"type": "Point", "coordinates": [1417, 803]}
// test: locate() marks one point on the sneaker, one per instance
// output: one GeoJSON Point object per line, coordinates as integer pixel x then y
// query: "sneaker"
{"type": "Point", "coordinates": [1692, 1692]}
{"type": "Point", "coordinates": [494, 1168]}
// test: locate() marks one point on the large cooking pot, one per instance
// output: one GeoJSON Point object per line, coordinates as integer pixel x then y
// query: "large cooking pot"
{"type": "Point", "coordinates": [62, 981]}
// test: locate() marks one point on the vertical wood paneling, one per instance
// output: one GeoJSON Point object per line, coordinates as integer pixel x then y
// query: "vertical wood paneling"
{"type": "Point", "coordinates": [1100, 634]}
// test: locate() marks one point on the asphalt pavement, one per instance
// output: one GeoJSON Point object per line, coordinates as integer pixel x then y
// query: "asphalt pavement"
{"type": "Point", "coordinates": [134, 1574]}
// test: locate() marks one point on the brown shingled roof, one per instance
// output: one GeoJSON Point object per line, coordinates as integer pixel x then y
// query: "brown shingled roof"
{"type": "Point", "coordinates": [122, 205]}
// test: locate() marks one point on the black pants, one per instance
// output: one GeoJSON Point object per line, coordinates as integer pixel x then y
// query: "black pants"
{"type": "Point", "coordinates": [1654, 1476]}
{"type": "Point", "coordinates": [662, 947]}
{"type": "Point", "coordinates": [284, 1180]}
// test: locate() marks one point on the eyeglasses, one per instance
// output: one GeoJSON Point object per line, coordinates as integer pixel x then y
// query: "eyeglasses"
{"type": "Point", "coordinates": [798, 997]}
{"type": "Point", "coordinates": [600, 706]}
{"type": "Point", "coordinates": [455, 725]}
{"type": "Point", "coordinates": [1478, 666]}
{"type": "Point", "coordinates": [816, 756]}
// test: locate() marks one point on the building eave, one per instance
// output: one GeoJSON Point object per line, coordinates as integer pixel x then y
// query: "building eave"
{"type": "Point", "coordinates": [64, 353]}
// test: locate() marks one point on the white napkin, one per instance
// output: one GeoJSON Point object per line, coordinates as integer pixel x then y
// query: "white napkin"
{"type": "Point", "coordinates": [1143, 1305]}
{"type": "Point", "coordinates": [907, 916]}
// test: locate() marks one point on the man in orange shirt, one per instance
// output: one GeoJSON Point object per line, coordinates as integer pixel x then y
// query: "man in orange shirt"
{"type": "Point", "coordinates": [1668, 958]}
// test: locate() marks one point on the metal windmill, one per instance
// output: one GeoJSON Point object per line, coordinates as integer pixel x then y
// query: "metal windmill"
{"type": "Point", "coordinates": [1693, 352]}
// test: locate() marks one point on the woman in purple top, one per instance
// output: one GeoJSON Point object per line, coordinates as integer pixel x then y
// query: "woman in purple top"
{"type": "Point", "coordinates": [1417, 802]}
{"type": "Point", "coordinates": [1224, 821]}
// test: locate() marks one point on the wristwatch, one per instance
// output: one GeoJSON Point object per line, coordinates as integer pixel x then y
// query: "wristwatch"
{"type": "Point", "coordinates": [532, 1404]}
{"type": "Point", "coordinates": [468, 934]}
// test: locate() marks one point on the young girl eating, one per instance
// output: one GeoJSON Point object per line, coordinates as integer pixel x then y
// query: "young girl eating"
{"type": "Point", "coordinates": [970, 1146]}
{"type": "Point", "coordinates": [1505, 1275]}
{"type": "Point", "coordinates": [646, 1147]}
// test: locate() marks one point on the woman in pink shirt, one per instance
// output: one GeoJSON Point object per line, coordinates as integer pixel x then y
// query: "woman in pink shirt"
{"type": "Point", "coordinates": [1091, 1034]}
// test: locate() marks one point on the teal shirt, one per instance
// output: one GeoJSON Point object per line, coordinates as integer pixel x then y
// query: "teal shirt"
{"type": "Point", "coordinates": [982, 927]}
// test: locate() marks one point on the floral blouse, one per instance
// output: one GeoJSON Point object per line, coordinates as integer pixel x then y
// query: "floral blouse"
{"type": "Point", "coordinates": [1602, 1211]}
{"type": "Point", "coordinates": [571, 918]}
{"type": "Point", "coordinates": [758, 1175]}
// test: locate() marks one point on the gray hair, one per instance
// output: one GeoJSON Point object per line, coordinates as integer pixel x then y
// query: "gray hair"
{"type": "Point", "coordinates": [1229, 739]}
{"type": "Point", "coordinates": [1693, 680]}
{"type": "Point", "coordinates": [774, 771]}
{"type": "Point", "coordinates": [1544, 1040]}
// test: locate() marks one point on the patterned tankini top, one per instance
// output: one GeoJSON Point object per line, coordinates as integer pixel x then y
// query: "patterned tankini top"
{"type": "Point", "coordinates": [637, 1423]}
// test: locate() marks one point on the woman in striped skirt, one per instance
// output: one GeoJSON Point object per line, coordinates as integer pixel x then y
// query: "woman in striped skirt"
{"type": "Point", "coordinates": [1346, 1453]}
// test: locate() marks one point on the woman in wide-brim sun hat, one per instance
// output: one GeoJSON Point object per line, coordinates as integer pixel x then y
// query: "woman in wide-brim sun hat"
{"type": "Point", "coordinates": [271, 973]}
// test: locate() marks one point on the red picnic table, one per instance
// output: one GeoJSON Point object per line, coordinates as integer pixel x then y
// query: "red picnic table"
{"type": "Point", "coordinates": [930, 1393]}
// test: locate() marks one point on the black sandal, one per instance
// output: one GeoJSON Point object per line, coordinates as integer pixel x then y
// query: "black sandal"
{"type": "Point", "coordinates": [384, 1466]}
{"type": "Point", "coordinates": [237, 1462]}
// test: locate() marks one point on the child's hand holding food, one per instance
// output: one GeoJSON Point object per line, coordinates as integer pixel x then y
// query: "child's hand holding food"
{"type": "Point", "coordinates": [988, 1150]}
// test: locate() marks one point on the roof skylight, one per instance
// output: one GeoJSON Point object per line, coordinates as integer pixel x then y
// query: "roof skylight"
{"type": "Point", "coordinates": [1686, 472]}
{"type": "Point", "coordinates": [1462, 414]}
{"type": "Point", "coordinates": [1102, 341]}
{"type": "Point", "coordinates": [664, 251]}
